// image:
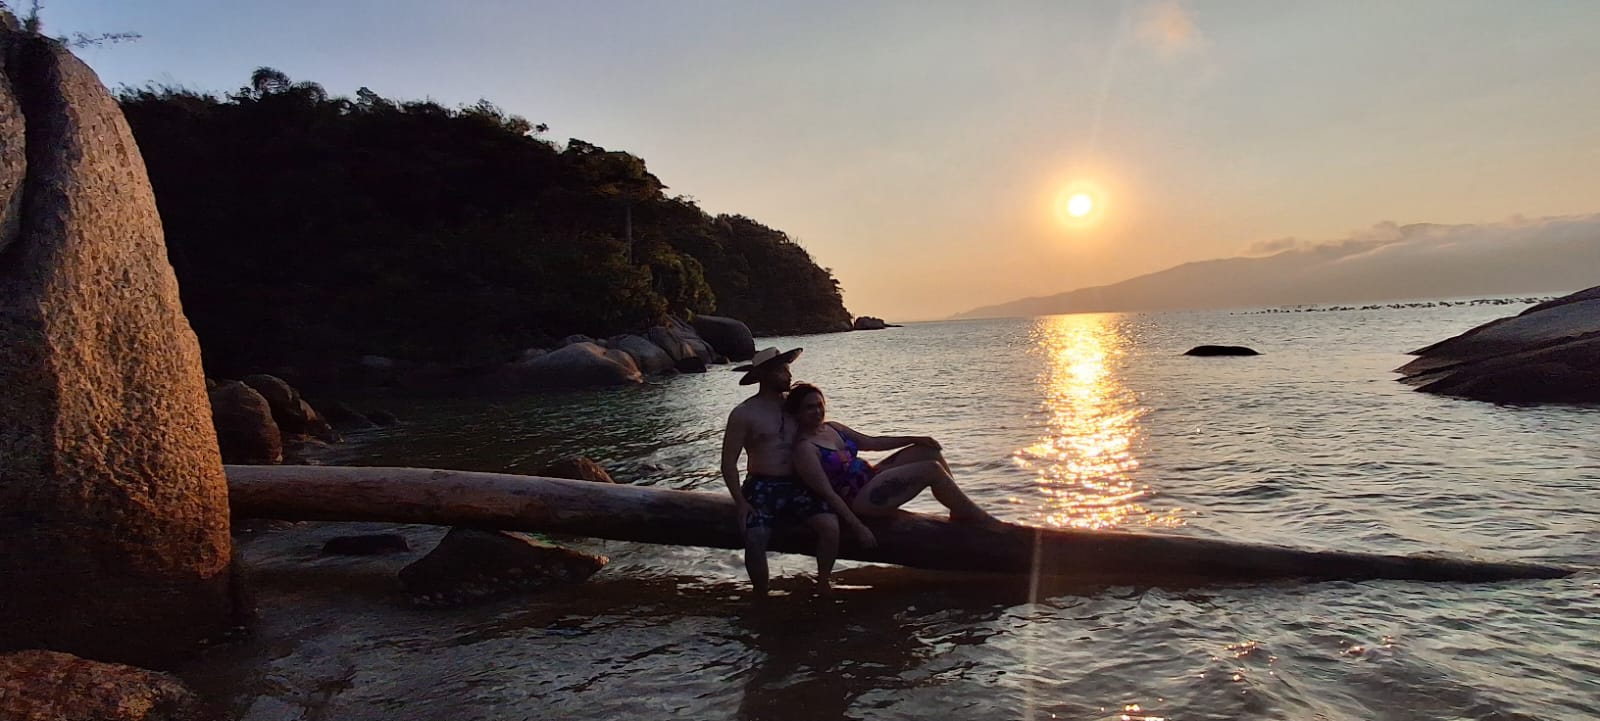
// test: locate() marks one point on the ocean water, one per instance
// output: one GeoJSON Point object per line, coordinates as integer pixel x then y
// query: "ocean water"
{"type": "Point", "coordinates": [1092, 421]}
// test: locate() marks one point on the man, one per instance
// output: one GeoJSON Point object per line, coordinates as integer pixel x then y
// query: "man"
{"type": "Point", "coordinates": [771, 494]}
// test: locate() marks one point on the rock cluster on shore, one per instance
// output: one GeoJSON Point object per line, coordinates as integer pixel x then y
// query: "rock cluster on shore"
{"type": "Point", "coordinates": [1550, 353]}
{"type": "Point", "coordinates": [579, 361]}
{"type": "Point", "coordinates": [262, 420]}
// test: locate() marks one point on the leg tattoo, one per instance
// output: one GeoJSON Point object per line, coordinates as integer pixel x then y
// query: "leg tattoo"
{"type": "Point", "coordinates": [887, 490]}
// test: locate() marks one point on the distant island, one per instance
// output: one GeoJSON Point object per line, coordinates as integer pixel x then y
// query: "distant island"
{"type": "Point", "coordinates": [309, 230]}
{"type": "Point", "coordinates": [1393, 263]}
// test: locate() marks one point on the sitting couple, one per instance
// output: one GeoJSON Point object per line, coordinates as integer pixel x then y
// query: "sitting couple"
{"type": "Point", "coordinates": [804, 468]}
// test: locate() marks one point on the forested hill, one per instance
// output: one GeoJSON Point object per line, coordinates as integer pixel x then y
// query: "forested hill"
{"type": "Point", "coordinates": [309, 229]}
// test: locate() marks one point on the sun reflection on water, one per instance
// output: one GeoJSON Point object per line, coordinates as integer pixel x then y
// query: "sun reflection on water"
{"type": "Point", "coordinates": [1084, 464]}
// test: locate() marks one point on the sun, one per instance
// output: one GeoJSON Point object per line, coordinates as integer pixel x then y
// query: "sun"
{"type": "Point", "coordinates": [1079, 205]}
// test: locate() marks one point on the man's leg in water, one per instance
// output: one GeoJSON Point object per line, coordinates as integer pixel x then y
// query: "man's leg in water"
{"type": "Point", "coordinates": [826, 526]}
{"type": "Point", "coordinates": [755, 557]}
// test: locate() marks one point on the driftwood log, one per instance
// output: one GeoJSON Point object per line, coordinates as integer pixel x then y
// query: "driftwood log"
{"type": "Point", "coordinates": [690, 518]}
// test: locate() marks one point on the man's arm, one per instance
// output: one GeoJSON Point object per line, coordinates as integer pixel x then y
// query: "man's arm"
{"type": "Point", "coordinates": [732, 445]}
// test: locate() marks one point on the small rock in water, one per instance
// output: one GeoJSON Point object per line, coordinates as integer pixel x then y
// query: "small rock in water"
{"type": "Point", "coordinates": [577, 468]}
{"type": "Point", "coordinates": [1220, 350]}
{"type": "Point", "coordinates": [471, 564]}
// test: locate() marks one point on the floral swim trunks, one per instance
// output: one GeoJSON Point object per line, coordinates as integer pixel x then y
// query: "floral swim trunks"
{"type": "Point", "coordinates": [778, 500]}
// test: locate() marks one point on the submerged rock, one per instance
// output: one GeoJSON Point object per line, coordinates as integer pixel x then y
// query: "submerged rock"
{"type": "Point", "coordinates": [51, 686]}
{"type": "Point", "coordinates": [113, 505]}
{"type": "Point", "coordinates": [577, 468]}
{"type": "Point", "coordinates": [370, 544]}
{"type": "Point", "coordinates": [1220, 350]}
{"type": "Point", "coordinates": [1550, 353]}
{"type": "Point", "coordinates": [341, 415]}
{"type": "Point", "coordinates": [471, 564]}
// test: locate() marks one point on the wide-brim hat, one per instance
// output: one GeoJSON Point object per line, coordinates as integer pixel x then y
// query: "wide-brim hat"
{"type": "Point", "coordinates": [764, 359]}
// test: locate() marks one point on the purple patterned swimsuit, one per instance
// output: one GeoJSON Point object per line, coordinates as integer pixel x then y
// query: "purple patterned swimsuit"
{"type": "Point", "coordinates": [846, 472]}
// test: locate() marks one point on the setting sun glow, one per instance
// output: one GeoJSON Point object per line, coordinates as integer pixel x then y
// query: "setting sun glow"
{"type": "Point", "coordinates": [1079, 205]}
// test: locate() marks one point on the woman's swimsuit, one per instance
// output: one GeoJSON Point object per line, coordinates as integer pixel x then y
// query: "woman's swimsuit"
{"type": "Point", "coordinates": [846, 472]}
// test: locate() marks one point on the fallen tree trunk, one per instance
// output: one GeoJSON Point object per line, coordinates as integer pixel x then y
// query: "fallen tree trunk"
{"type": "Point", "coordinates": [688, 518]}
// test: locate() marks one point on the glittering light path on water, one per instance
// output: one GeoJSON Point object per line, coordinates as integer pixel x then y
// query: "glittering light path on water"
{"type": "Point", "coordinates": [1084, 463]}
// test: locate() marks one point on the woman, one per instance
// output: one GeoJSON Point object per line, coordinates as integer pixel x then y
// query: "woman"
{"type": "Point", "coordinates": [827, 458]}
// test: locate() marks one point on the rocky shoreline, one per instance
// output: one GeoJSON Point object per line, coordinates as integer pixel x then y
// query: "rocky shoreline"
{"type": "Point", "coordinates": [1549, 353]}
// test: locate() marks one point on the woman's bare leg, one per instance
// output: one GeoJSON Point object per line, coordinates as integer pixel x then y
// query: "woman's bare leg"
{"type": "Point", "coordinates": [891, 488]}
{"type": "Point", "coordinates": [962, 508]}
{"type": "Point", "coordinates": [913, 454]}
{"type": "Point", "coordinates": [826, 526]}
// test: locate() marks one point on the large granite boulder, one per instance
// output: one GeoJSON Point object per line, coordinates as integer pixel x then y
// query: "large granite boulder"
{"type": "Point", "coordinates": [113, 504]}
{"type": "Point", "coordinates": [573, 366]}
{"type": "Point", "coordinates": [868, 322]}
{"type": "Point", "coordinates": [652, 360]}
{"type": "Point", "coordinates": [51, 686]}
{"type": "Point", "coordinates": [728, 336]}
{"type": "Point", "coordinates": [668, 340]}
{"type": "Point", "coordinates": [1564, 319]}
{"type": "Point", "coordinates": [471, 564]}
{"type": "Point", "coordinates": [1548, 353]}
{"type": "Point", "coordinates": [246, 431]}
{"type": "Point", "coordinates": [701, 348]}
{"type": "Point", "coordinates": [1531, 380]}
{"type": "Point", "coordinates": [680, 341]}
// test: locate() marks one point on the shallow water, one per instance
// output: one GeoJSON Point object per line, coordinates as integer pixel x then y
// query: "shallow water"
{"type": "Point", "coordinates": [1085, 420]}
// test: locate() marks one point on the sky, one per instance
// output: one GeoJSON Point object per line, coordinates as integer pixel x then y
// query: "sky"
{"type": "Point", "coordinates": [921, 150]}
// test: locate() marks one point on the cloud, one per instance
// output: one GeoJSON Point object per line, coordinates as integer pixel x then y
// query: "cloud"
{"type": "Point", "coordinates": [1167, 27]}
{"type": "Point", "coordinates": [1486, 242]}
{"type": "Point", "coordinates": [1271, 247]}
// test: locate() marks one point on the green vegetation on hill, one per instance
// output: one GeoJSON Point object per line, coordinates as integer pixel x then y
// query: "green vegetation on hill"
{"type": "Point", "coordinates": [309, 229]}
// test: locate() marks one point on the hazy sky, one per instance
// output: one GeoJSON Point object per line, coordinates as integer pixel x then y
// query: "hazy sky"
{"type": "Point", "coordinates": [918, 148]}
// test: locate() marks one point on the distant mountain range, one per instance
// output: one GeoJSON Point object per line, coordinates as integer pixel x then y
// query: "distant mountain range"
{"type": "Point", "coordinates": [1389, 262]}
